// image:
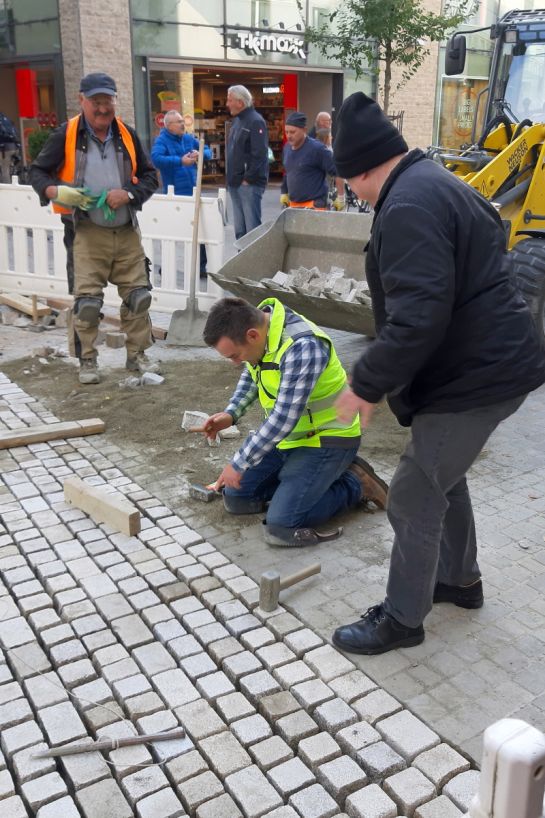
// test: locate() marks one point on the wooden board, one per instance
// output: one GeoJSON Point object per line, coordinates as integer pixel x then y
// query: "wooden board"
{"type": "Point", "coordinates": [24, 304]}
{"type": "Point", "coordinates": [103, 506]}
{"type": "Point", "coordinates": [50, 431]}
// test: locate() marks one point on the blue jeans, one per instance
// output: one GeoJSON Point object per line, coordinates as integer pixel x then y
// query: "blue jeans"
{"type": "Point", "coordinates": [246, 201]}
{"type": "Point", "coordinates": [303, 486]}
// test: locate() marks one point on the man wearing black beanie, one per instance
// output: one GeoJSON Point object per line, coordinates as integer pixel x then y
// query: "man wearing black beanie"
{"type": "Point", "coordinates": [456, 352]}
{"type": "Point", "coordinates": [307, 166]}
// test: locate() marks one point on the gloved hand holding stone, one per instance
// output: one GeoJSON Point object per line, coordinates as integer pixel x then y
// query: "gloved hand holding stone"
{"type": "Point", "coordinates": [79, 197]}
{"type": "Point", "coordinates": [339, 203]}
{"type": "Point", "coordinates": [285, 200]}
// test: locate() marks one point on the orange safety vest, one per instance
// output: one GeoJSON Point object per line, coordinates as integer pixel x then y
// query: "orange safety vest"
{"type": "Point", "coordinates": [67, 171]}
{"type": "Point", "coordinates": [307, 205]}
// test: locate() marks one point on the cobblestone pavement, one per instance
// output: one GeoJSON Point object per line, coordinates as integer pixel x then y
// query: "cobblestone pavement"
{"type": "Point", "coordinates": [152, 627]}
{"type": "Point", "coordinates": [107, 635]}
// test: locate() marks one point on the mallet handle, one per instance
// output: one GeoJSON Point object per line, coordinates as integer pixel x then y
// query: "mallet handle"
{"type": "Point", "coordinates": [304, 573]}
{"type": "Point", "coordinates": [111, 744]}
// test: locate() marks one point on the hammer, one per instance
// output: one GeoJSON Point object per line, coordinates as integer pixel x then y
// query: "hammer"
{"type": "Point", "coordinates": [204, 493]}
{"type": "Point", "coordinates": [271, 584]}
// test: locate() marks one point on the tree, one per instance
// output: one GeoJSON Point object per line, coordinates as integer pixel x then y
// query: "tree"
{"type": "Point", "coordinates": [390, 32]}
{"type": "Point", "coordinates": [36, 140]}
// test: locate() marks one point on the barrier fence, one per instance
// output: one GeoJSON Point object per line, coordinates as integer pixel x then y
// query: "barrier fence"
{"type": "Point", "coordinates": [33, 257]}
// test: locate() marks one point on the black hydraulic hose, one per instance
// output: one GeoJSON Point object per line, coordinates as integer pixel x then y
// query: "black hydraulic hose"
{"type": "Point", "coordinates": [525, 123]}
{"type": "Point", "coordinates": [501, 119]}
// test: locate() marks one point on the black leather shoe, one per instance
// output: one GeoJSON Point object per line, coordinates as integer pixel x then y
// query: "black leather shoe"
{"type": "Point", "coordinates": [376, 632]}
{"type": "Point", "coordinates": [464, 596]}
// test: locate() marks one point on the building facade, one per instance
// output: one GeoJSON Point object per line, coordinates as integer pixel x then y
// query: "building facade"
{"type": "Point", "coordinates": [184, 54]}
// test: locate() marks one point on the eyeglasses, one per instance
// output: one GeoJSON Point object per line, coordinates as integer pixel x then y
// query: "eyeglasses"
{"type": "Point", "coordinates": [102, 103]}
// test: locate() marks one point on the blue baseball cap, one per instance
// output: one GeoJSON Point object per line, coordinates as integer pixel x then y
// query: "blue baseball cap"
{"type": "Point", "coordinates": [99, 83]}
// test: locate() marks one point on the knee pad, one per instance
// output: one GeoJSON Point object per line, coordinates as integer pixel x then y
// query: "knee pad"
{"type": "Point", "coordinates": [87, 309]}
{"type": "Point", "coordinates": [138, 300]}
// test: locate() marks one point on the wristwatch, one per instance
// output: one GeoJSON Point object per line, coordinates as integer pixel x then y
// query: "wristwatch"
{"type": "Point", "coordinates": [130, 195]}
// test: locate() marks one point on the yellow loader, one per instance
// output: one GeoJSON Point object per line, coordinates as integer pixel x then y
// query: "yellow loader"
{"type": "Point", "coordinates": [506, 162]}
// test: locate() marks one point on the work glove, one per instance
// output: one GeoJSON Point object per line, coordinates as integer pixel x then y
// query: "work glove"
{"type": "Point", "coordinates": [102, 204]}
{"type": "Point", "coordinates": [338, 203]}
{"type": "Point", "coordinates": [79, 197]}
{"type": "Point", "coordinates": [285, 200]}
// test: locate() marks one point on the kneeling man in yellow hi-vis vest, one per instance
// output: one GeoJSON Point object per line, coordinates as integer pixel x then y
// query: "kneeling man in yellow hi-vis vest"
{"type": "Point", "coordinates": [301, 465]}
{"type": "Point", "coordinates": [97, 174]}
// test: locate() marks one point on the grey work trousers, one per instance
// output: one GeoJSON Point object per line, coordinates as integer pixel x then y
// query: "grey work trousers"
{"type": "Point", "coordinates": [430, 510]}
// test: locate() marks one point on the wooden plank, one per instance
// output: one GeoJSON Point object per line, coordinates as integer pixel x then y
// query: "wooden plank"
{"type": "Point", "coordinates": [23, 304]}
{"type": "Point", "coordinates": [103, 506]}
{"type": "Point", "coordinates": [50, 431]}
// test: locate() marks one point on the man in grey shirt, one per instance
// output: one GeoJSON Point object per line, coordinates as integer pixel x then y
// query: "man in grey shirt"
{"type": "Point", "coordinates": [95, 154]}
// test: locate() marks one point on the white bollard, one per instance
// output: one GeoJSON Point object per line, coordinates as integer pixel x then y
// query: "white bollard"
{"type": "Point", "coordinates": [512, 782]}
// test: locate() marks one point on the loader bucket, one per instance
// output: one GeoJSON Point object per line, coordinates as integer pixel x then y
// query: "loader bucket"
{"type": "Point", "coordinates": [303, 238]}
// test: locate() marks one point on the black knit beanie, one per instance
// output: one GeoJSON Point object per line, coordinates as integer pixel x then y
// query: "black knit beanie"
{"type": "Point", "coordinates": [297, 119]}
{"type": "Point", "coordinates": [365, 137]}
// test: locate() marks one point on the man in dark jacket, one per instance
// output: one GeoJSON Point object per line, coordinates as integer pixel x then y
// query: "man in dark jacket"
{"type": "Point", "coordinates": [308, 166]}
{"type": "Point", "coordinates": [456, 353]}
{"type": "Point", "coordinates": [92, 159]}
{"type": "Point", "coordinates": [247, 160]}
{"type": "Point", "coordinates": [175, 154]}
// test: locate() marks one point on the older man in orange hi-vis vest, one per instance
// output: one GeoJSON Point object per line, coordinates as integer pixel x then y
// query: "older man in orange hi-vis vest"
{"type": "Point", "coordinates": [97, 174]}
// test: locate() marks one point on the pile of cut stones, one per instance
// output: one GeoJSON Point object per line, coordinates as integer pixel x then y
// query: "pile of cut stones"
{"type": "Point", "coordinates": [333, 285]}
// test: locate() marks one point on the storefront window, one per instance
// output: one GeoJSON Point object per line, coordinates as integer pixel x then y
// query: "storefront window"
{"type": "Point", "coordinates": [172, 90]}
{"type": "Point", "coordinates": [165, 12]}
{"type": "Point", "coordinates": [154, 39]}
{"type": "Point", "coordinates": [459, 100]}
{"type": "Point", "coordinates": [264, 14]}
{"type": "Point", "coordinates": [172, 28]}
{"type": "Point", "coordinates": [27, 27]}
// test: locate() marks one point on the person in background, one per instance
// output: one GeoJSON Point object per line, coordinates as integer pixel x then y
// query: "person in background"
{"type": "Point", "coordinates": [247, 160]}
{"type": "Point", "coordinates": [301, 466]}
{"type": "Point", "coordinates": [456, 352]}
{"type": "Point", "coordinates": [308, 164]}
{"type": "Point", "coordinates": [92, 157]}
{"type": "Point", "coordinates": [9, 145]}
{"type": "Point", "coordinates": [323, 135]}
{"type": "Point", "coordinates": [323, 120]}
{"type": "Point", "coordinates": [175, 153]}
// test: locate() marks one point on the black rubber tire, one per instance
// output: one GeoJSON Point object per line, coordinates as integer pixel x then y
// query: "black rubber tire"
{"type": "Point", "coordinates": [528, 258]}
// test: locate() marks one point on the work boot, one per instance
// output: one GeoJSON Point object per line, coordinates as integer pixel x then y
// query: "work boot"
{"type": "Point", "coordinates": [141, 363]}
{"type": "Point", "coordinates": [373, 489]}
{"type": "Point", "coordinates": [88, 371]}
{"type": "Point", "coordinates": [299, 537]}
{"type": "Point", "coordinates": [463, 596]}
{"type": "Point", "coordinates": [376, 632]}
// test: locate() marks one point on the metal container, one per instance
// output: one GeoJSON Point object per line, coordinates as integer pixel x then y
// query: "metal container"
{"type": "Point", "coordinates": [303, 238]}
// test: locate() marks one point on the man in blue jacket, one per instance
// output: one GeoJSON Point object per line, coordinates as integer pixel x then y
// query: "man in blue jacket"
{"type": "Point", "coordinates": [175, 153]}
{"type": "Point", "coordinates": [247, 160]}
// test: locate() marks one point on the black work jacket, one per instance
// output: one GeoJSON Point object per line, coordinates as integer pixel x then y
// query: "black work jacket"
{"type": "Point", "coordinates": [44, 169]}
{"type": "Point", "coordinates": [453, 331]}
{"type": "Point", "coordinates": [247, 150]}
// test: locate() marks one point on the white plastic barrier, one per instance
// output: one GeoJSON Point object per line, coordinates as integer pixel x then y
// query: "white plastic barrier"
{"type": "Point", "coordinates": [512, 782]}
{"type": "Point", "coordinates": [33, 258]}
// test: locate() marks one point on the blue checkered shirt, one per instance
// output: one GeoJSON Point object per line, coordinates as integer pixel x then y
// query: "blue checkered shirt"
{"type": "Point", "coordinates": [300, 368]}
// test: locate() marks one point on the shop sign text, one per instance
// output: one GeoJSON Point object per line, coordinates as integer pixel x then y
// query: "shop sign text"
{"type": "Point", "coordinates": [256, 43]}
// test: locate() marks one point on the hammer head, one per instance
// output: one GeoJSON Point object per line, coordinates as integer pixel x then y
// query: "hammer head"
{"type": "Point", "coordinates": [203, 493]}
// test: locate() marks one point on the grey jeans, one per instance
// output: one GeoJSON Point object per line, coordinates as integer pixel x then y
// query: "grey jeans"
{"type": "Point", "coordinates": [430, 510]}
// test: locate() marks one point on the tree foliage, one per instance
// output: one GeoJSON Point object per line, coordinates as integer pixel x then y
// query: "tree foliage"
{"type": "Point", "coordinates": [384, 33]}
{"type": "Point", "coordinates": [36, 140]}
